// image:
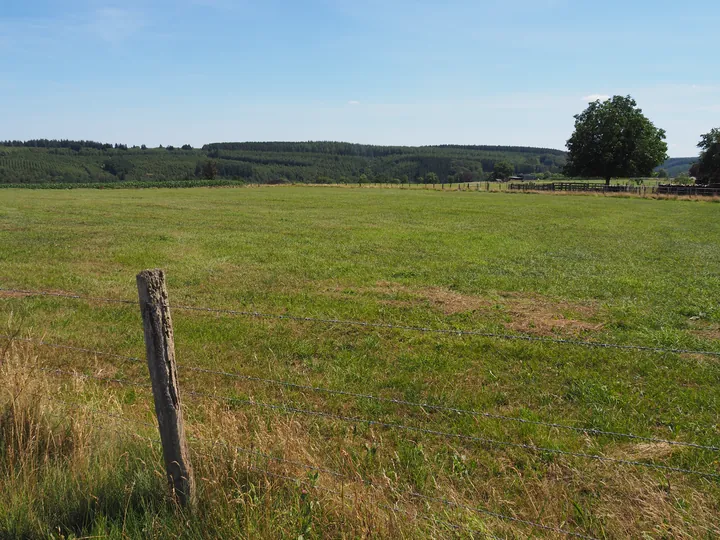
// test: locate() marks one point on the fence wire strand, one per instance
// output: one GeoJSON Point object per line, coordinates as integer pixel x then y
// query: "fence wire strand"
{"type": "Point", "coordinates": [590, 431]}
{"type": "Point", "coordinates": [303, 481]}
{"type": "Point", "coordinates": [367, 324]}
{"type": "Point", "coordinates": [371, 422]}
{"type": "Point", "coordinates": [472, 438]}
{"type": "Point", "coordinates": [444, 434]}
{"type": "Point", "coordinates": [500, 516]}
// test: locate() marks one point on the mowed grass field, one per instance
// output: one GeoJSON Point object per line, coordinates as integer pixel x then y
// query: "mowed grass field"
{"type": "Point", "coordinates": [581, 268]}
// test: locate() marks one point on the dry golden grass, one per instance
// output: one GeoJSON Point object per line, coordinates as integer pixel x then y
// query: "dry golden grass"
{"type": "Point", "coordinates": [66, 425]}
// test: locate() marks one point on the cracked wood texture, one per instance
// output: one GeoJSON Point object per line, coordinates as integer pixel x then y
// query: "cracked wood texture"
{"type": "Point", "coordinates": [160, 350]}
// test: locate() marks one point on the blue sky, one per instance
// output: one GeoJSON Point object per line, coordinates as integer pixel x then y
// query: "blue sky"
{"type": "Point", "coordinates": [383, 72]}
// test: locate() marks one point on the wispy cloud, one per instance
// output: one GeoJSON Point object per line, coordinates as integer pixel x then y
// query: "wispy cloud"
{"type": "Point", "coordinates": [596, 97]}
{"type": "Point", "coordinates": [353, 102]}
{"type": "Point", "coordinates": [107, 25]}
{"type": "Point", "coordinates": [114, 25]}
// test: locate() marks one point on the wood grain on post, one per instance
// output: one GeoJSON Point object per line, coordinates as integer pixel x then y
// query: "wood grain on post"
{"type": "Point", "coordinates": [160, 350]}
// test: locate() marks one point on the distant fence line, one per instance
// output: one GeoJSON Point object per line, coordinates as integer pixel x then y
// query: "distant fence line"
{"type": "Point", "coordinates": [482, 185]}
{"type": "Point", "coordinates": [705, 191]}
{"type": "Point", "coordinates": [661, 189]}
{"type": "Point", "coordinates": [578, 186]}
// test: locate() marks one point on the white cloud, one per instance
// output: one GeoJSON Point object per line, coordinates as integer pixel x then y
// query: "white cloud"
{"type": "Point", "coordinates": [595, 97]}
{"type": "Point", "coordinates": [115, 25]}
{"type": "Point", "coordinates": [353, 102]}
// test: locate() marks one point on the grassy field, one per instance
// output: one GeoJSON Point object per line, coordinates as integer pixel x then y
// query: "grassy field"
{"type": "Point", "coordinates": [620, 270]}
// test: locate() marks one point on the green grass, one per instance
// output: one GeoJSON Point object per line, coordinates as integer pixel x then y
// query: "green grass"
{"type": "Point", "coordinates": [622, 270]}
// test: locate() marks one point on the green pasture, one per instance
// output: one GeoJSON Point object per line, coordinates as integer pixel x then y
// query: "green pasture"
{"type": "Point", "coordinates": [583, 268]}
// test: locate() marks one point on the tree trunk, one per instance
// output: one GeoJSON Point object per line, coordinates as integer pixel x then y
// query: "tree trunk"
{"type": "Point", "coordinates": [607, 180]}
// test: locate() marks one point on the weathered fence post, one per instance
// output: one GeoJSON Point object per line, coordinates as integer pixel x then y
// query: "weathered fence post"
{"type": "Point", "coordinates": [160, 350]}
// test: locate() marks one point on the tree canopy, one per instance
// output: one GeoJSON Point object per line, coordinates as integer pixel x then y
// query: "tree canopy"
{"type": "Point", "coordinates": [503, 170]}
{"type": "Point", "coordinates": [707, 169]}
{"type": "Point", "coordinates": [613, 138]}
{"type": "Point", "coordinates": [48, 161]}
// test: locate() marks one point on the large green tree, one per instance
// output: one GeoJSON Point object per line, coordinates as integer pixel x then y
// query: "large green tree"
{"type": "Point", "coordinates": [707, 169]}
{"type": "Point", "coordinates": [613, 138]}
{"type": "Point", "coordinates": [503, 170]}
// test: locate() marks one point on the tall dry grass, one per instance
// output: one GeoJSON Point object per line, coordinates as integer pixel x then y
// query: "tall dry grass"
{"type": "Point", "coordinates": [71, 468]}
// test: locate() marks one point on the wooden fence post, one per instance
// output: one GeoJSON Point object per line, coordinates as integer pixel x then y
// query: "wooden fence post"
{"type": "Point", "coordinates": [160, 350]}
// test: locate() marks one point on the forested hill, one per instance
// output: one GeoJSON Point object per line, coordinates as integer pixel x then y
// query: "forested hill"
{"type": "Point", "coordinates": [368, 150]}
{"type": "Point", "coordinates": [676, 166]}
{"type": "Point", "coordinates": [272, 162]}
{"type": "Point", "coordinates": [53, 161]}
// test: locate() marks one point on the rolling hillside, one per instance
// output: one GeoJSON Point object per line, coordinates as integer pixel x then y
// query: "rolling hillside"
{"type": "Point", "coordinates": [308, 162]}
{"type": "Point", "coordinates": [45, 161]}
{"type": "Point", "coordinates": [676, 166]}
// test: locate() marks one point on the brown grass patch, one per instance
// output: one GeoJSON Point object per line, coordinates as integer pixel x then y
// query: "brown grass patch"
{"type": "Point", "coordinates": [605, 500]}
{"type": "Point", "coordinates": [523, 312]}
{"type": "Point", "coordinates": [399, 295]}
{"type": "Point", "coordinates": [535, 314]}
{"type": "Point", "coordinates": [710, 332]}
{"type": "Point", "coordinates": [645, 451]}
{"type": "Point", "coordinates": [22, 294]}
{"type": "Point", "coordinates": [445, 300]}
{"type": "Point", "coordinates": [12, 294]}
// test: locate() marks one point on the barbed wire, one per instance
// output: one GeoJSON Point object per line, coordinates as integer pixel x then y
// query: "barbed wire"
{"type": "Point", "coordinates": [394, 509]}
{"type": "Point", "coordinates": [448, 331]}
{"type": "Point", "coordinates": [472, 438]}
{"type": "Point", "coordinates": [240, 449]}
{"type": "Point", "coordinates": [85, 376]}
{"type": "Point", "coordinates": [134, 423]}
{"type": "Point", "coordinates": [367, 324]}
{"type": "Point", "coordinates": [124, 419]}
{"type": "Point", "coordinates": [388, 425]}
{"type": "Point", "coordinates": [414, 428]}
{"type": "Point", "coordinates": [592, 431]}
{"type": "Point", "coordinates": [270, 457]}
{"type": "Point", "coordinates": [352, 479]}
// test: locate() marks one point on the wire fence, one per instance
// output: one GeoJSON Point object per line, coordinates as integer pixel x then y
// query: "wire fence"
{"type": "Point", "coordinates": [347, 480]}
{"type": "Point", "coordinates": [381, 325]}
{"type": "Point", "coordinates": [292, 409]}
{"type": "Point", "coordinates": [422, 406]}
{"type": "Point", "coordinates": [286, 409]}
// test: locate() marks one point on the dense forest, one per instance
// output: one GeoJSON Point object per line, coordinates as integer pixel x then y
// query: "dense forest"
{"type": "Point", "coordinates": [677, 166]}
{"type": "Point", "coordinates": [64, 161]}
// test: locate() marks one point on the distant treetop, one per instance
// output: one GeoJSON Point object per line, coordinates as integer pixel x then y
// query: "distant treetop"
{"type": "Point", "coordinates": [363, 150]}
{"type": "Point", "coordinates": [61, 143]}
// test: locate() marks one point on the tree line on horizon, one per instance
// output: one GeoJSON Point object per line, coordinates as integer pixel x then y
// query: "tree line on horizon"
{"type": "Point", "coordinates": [67, 161]}
{"type": "Point", "coordinates": [612, 139]}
